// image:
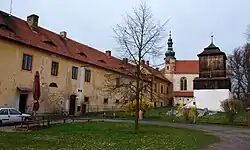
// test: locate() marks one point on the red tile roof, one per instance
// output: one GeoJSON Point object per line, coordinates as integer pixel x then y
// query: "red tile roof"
{"type": "Point", "coordinates": [18, 30]}
{"type": "Point", "coordinates": [187, 66]}
{"type": "Point", "coordinates": [190, 67]}
{"type": "Point", "coordinates": [183, 93]}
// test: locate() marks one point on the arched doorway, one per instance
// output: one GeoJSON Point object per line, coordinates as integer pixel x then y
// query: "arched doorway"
{"type": "Point", "coordinates": [72, 105]}
{"type": "Point", "coordinates": [171, 101]}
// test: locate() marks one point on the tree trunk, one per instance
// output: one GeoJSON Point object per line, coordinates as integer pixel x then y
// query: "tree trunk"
{"type": "Point", "coordinates": [137, 97]}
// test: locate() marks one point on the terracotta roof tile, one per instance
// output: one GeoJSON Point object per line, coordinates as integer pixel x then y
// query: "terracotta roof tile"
{"type": "Point", "coordinates": [18, 30]}
{"type": "Point", "coordinates": [183, 93]}
{"type": "Point", "coordinates": [187, 67]}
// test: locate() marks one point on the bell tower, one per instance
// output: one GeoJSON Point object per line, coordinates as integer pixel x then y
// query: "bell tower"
{"type": "Point", "coordinates": [169, 59]}
{"type": "Point", "coordinates": [212, 86]}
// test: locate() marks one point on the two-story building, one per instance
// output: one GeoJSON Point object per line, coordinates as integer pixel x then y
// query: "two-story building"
{"type": "Point", "coordinates": [71, 73]}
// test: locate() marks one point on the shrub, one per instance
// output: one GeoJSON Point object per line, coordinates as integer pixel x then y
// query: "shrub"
{"type": "Point", "coordinates": [232, 107]}
{"type": "Point", "coordinates": [144, 105]}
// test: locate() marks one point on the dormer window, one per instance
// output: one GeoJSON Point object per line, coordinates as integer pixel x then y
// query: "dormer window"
{"type": "Point", "coordinates": [5, 27]}
{"type": "Point", "coordinates": [102, 61]}
{"type": "Point", "coordinates": [82, 54]}
{"type": "Point", "coordinates": [50, 43]}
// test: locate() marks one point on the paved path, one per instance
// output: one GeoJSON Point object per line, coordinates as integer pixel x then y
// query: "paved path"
{"type": "Point", "coordinates": [231, 138]}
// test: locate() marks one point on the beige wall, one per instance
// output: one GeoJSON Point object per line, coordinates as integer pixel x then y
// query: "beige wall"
{"type": "Point", "coordinates": [190, 78]}
{"type": "Point", "coordinates": [12, 75]}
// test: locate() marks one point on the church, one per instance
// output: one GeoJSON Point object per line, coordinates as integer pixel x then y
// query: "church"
{"type": "Point", "coordinates": [205, 81]}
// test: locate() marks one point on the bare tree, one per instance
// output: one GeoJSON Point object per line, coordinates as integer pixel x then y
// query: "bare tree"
{"type": "Point", "coordinates": [139, 37]}
{"type": "Point", "coordinates": [237, 66]}
{"type": "Point", "coordinates": [248, 33]}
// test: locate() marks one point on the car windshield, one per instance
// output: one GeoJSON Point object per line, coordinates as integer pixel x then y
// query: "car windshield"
{"type": "Point", "coordinates": [14, 112]}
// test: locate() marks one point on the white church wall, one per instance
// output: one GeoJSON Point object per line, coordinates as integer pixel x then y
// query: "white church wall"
{"type": "Point", "coordinates": [211, 99]}
{"type": "Point", "coordinates": [182, 100]}
{"type": "Point", "coordinates": [190, 78]}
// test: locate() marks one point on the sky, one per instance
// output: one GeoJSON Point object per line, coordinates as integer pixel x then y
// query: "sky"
{"type": "Point", "coordinates": [191, 21]}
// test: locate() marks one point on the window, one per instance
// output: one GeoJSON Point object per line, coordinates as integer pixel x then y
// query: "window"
{"type": "Point", "coordinates": [117, 101]}
{"type": "Point", "coordinates": [27, 62]}
{"type": "Point", "coordinates": [4, 112]}
{"type": "Point", "coordinates": [167, 90]}
{"type": "Point", "coordinates": [161, 104]}
{"type": "Point", "coordinates": [118, 82]}
{"type": "Point", "coordinates": [87, 75]}
{"type": "Point", "coordinates": [183, 83]}
{"type": "Point", "coordinates": [86, 99]}
{"type": "Point", "coordinates": [161, 89]}
{"type": "Point", "coordinates": [102, 61]}
{"type": "Point", "coordinates": [167, 67]}
{"type": "Point", "coordinates": [53, 84]}
{"type": "Point", "coordinates": [54, 68]}
{"type": "Point", "coordinates": [82, 54]}
{"type": "Point", "coordinates": [155, 87]}
{"type": "Point", "coordinates": [105, 101]}
{"type": "Point", "coordinates": [74, 72]}
{"type": "Point", "coordinates": [14, 112]}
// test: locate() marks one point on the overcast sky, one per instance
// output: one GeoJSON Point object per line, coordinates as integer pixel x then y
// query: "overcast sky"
{"type": "Point", "coordinates": [191, 21]}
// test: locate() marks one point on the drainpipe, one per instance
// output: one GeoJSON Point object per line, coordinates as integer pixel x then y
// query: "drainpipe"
{"type": "Point", "coordinates": [81, 94]}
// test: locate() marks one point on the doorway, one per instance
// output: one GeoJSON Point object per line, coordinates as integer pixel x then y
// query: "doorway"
{"type": "Point", "coordinates": [22, 102]}
{"type": "Point", "coordinates": [72, 105]}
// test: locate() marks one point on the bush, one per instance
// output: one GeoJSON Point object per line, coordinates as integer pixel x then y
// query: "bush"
{"type": "Point", "coordinates": [144, 105]}
{"type": "Point", "coordinates": [232, 107]}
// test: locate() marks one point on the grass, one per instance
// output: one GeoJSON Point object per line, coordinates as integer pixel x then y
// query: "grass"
{"type": "Point", "coordinates": [159, 114]}
{"type": "Point", "coordinates": [106, 136]}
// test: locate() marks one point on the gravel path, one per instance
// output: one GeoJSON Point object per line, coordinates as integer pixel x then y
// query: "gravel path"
{"type": "Point", "coordinates": [231, 138]}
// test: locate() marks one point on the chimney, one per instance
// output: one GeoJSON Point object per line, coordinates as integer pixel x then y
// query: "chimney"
{"type": "Point", "coordinates": [125, 61]}
{"type": "Point", "coordinates": [32, 20]}
{"type": "Point", "coordinates": [147, 62]}
{"type": "Point", "coordinates": [63, 34]}
{"type": "Point", "coordinates": [157, 68]}
{"type": "Point", "coordinates": [143, 61]}
{"type": "Point", "coordinates": [108, 53]}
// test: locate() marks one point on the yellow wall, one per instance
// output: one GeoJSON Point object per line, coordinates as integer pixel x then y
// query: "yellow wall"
{"type": "Point", "coordinates": [52, 99]}
{"type": "Point", "coordinates": [12, 75]}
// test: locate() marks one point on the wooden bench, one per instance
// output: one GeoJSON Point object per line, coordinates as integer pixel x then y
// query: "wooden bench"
{"type": "Point", "coordinates": [73, 118]}
{"type": "Point", "coordinates": [35, 120]}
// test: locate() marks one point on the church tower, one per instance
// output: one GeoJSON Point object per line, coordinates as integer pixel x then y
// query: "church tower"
{"type": "Point", "coordinates": [169, 59]}
{"type": "Point", "coordinates": [212, 86]}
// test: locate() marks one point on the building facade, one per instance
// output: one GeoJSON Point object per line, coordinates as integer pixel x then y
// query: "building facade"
{"type": "Point", "coordinates": [72, 74]}
{"type": "Point", "coordinates": [181, 73]}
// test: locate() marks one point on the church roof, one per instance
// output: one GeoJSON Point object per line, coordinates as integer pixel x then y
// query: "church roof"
{"type": "Point", "coordinates": [183, 93]}
{"type": "Point", "coordinates": [211, 50]}
{"type": "Point", "coordinates": [187, 67]}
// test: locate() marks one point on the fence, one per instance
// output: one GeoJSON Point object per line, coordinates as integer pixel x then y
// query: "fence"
{"type": "Point", "coordinates": [103, 108]}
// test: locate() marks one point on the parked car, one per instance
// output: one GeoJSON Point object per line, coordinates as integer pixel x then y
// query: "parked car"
{"type": "Point", "coordinates": [11, 116]}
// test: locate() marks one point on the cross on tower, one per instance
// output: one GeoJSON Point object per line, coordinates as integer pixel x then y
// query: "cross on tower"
{"type": "Point", "coordinates": [212, 38]}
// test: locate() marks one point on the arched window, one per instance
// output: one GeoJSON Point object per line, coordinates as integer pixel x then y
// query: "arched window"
{"type": "Point", "coordinates": [183, 83]}
{"type": "Point", "coordinates": [53, 84]}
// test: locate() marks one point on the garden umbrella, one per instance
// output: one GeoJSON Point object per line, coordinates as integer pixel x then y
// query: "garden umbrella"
{"type": "Point", "coordinates": [36, 91]}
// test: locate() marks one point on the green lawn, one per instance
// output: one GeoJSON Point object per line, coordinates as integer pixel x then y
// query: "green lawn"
{"type": "Point", "coordinates": [159, 114]}
{"type": "Point", "coordinates": [106, 136]}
